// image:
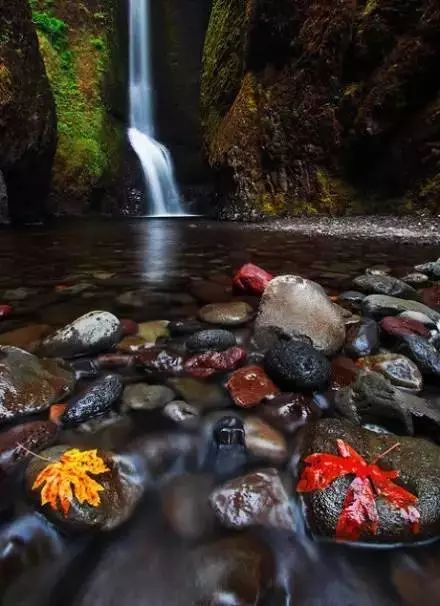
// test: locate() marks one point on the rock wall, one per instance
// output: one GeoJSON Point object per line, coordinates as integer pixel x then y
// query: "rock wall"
{"type": "Point", "coordinates": [311, 106]}
{"type": "Point", "coordinates": [79, 43]}
{"type": "Point", "coordinates": [27, 114]}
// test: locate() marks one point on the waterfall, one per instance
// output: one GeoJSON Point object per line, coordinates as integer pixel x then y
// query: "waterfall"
{"type": "Point", "coordinates": [154, 157]}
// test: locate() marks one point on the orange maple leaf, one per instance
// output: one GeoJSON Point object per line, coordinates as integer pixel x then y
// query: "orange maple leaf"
{"type": "Point", "coordinates": [69, 478]}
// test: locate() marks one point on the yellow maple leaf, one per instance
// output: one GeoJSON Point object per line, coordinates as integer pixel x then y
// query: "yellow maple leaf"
{"type": "Point", "coordinates": [69, 478]}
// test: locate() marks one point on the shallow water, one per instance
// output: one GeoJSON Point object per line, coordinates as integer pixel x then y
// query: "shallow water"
{"type": "Point", "coordinates": [144, 562]}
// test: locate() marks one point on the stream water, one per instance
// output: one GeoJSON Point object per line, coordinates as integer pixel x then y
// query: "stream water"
{"type": "Point", "coordinates": [165, 269]}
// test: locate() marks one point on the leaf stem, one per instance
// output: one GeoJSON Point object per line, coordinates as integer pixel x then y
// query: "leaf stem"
{"type": "Point", "coordinates": [381, 456]}
{"type": "Point", "coordinates": [34, 454]}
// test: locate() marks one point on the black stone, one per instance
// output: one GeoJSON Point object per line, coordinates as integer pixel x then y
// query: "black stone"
{"type": "Point", "coordinates": [96, 400]}
{"type": "Point", "coordinates": [362, 339]}
{"type": "Point", "coordinates": [423, 353]}
{"type": "Point", "coordinates": [211, 340]}
{"type": "Point", "coordinates": [182, 328]}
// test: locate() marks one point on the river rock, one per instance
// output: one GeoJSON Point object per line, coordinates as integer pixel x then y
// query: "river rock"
{"type": "Point", "coordinates": [160, 362]}
{"type": "Point", "coordinates": [29, 384]}
{"type": "Point", "coordinates": [152, 331]}
{"type": "Point", "coordinates": [227, 454]}
{"type": "Point", "coordinates": [289, 412]}
{"type": "Point", "coordinates": [256, 499]}
{"type": "Point", "coordinates": [251, 279]}
{"type": "Point", "coordinates": [399, 327]}
{"type": "Point", "coordinates": [18, 443]}
{"type": "Point", "coordinates": [182, 328]}
{"type": "Point", "coordinates": [423, 353]}
{"type": "Point", "coordinates": [123, 486]}
{"type": "Point", "coordinates": [297, 306]}
{"type": "Point", "coordinates": [264, 442]}
{"type": "Point", "coordinates": [227, 314]}
{"type": "Point", "coordinates": [210, 340]}
{"type": "Point", "coordinates": [142, 396]}
{"type": "Point", "coordinates": [343, 372]}
{"type": "Point", "coordinates": [378, 270]}
{"type": "Point", "coordinates": [201, 394]}
{"type": "Point", "coordinates": [397, 368]}
{"type": "Point", "coordinates": [382, 305]}
{"type": "Point", "coordinates": [207, 291]}
{"type": "Point", "coordinates": [385, 285]}
{"type": "Point", "coordinates": [181, 412]}
{"type": "Point", "coordinates": [5, 311]}
{"type": "Point", "coordinates": [416, 279]}
{"type": "Point", "coordinates": [94, 401]}
{"type": "Point", "coordinates": [91, 333]}
{"type": "Point", "coordinates": [249, 386]}
{"type": "Point", "coordinates": [362, 339]}
{"type": "Point", "coordinates": [215, 362]}
{"type": "Point", "coordinates": [19, 294]}
{"type": "Point", "coordinates": [352, 298]}
{"type": "Point", "coordinates": [417, 460]}
{"type": "Point", "coordinates": [27, 338]}
{"type": "Point", "coordinates": [431, 296]}
{"type": "Point", "coordinates": [373, 399]}
{"type": "Point", "coordinates": [432, 268]}
{"type": "Point", "coordinates": [294, 365]}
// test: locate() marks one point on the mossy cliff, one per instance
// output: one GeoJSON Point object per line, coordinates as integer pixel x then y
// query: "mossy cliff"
{"type": "Point", "coordinates": [27, 114]}
{"type": "Point", "coordinates": [75, 39]}
{"type": "Point", "coordinates": [323, 107]}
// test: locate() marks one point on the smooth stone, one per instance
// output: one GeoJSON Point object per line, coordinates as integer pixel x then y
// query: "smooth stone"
{"type": "Point", "coordinates": [185, 505]}
{"type": "Point", "coordinates": [227, 314]}
{"type": "Point", "coordinates": [181, 412]}
{"type": "Point", "coordinates": [418, 317]}
{"type": "Point", "coordinates": [255, 499]}
{"type": "Point", "coordinates": [19, 443]}
{"type": "Point", "coordinates": [92, 333]}
{"type": "Point", "coordinates": [129, 328]}
{"type": "Point", "coordinates": [182, 328]}
{"type": "Point", "coordinates": [373, 399]}
{"type": "Point", "coordinates": [294, 365]}
{"type": "Point", "coordinates": [29, 384]}
{"type": "Point", "coordinates": [27, 338]}
{"type": "Point", "coordinates": [95, 400]}
{"type": "Point", "coordinates": [110, 431]}
{"type": "Point", "coordinates": [343, 372]}
{"type": "Point", "coordinates": [152, 331]}
{"type": "Point", "coordinates": [398, 369]}
{"type": "Point", "coordinates": [165, 451]}
{"type": "Point", "coordinates": [210, 292]}
{"type": "Point", "coordinates": [251, 279]}
{"type": "Point", "coordinates": [385, 285]}
{"type": "Point", "coordinates": [249, 386]}
{"type": "Point", "coordinates": [73, 289]}
{"type": "Point", "coordinates": [215, 362]}
{"type": "Point", "coordinates": [264, 442]}
{"type": "Point", "coordinates": [113, 361]}
{"type": "Point", "coordinates": [131, 298]}
{"type": "Point", "coordinates": [423, 353]}
{"type": "Point", "coordinates": [431, 296]}
{"type": "Point", "coordinates": [352, 298]}
{"type": "Point", "coordinates": [417, 460]}
{"type": "Point", "coordinates": [297, 306]}
{"type": "Point", "coordinates": [383, 305]}
{"type": "Point", "coordinates": [201, 394]}
{"type": "Point", "coordinates": [432, 268]}
{"type": "Point", "coordinates": [362, 339]}
{"type": "Point", "coordinates": [289, 412]}
{"type": "Point", "coordinates": [210, 340]}
{"type": "Point", "coordinates": [400, 327]}
{"type": "Point", "coordinates": [142, 396]}
{"type": "Point", "coordinates": [415, 279]}
{"type": "Point", "coordinates": [124, 485]}
{"type": "Point", "coordinates": [161, 362]}
{"type": "Point", "coordinates": [378, 270]}
{"type": "Point", "coordinates": [19, 294]}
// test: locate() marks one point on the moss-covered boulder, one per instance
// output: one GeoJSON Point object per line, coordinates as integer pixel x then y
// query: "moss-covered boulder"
{"type": "Point", "coordinates": [27, 114]}
{"type": "Point", "coordinates": [325, 107]}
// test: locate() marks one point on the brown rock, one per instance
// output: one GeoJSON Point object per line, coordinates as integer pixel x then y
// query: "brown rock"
{"type": "Point", "coordinates": [265, 442]}
{"type": "Point", "coordinates": [250, 386]}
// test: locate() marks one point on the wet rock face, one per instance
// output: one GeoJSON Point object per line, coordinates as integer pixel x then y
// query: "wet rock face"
{"type": "Point", "coordinates": [29, 384]}
{"type": "Point", "coordinates": [294, 365]}
{"type": "Point", "coordinates": [17, 444]}
{"type": "Point", "coordinates": [91, 333]}
{"type": "Point", "coordinates": [257, 499]}
{"type": "Point", "coordinates": [417, 460]}
{"type": "Point", "coordinates": [296, 306]}
{"type": "Point", "coordinates": [96, 400]}
{"type": "Point", "coordinates": [27, 110]}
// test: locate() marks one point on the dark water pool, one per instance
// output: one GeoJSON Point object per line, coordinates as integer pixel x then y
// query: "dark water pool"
{"type": "Point", "coordinates": [150, 270]}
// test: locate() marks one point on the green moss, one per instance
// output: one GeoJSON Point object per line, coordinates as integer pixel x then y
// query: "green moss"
{"type": "Point", "coordinates": [335, 196]}
{"type": "Point", "coordinates": [55, 29]}
{"type": "Point", "coordinates": [370, 6]}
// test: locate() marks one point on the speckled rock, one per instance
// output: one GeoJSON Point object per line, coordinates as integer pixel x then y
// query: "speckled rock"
{"type": "Point", "coordinates": [91, 333]}
{"type": "Point", "coordinates": [142, 396]}
{"type": "Point", "coordinates": [385, 285]}
{"type": "Point", "coordinates": [423, 353]}
{"type": "Point", "coordinates": [160, 362]}
{"type": "Point", "coordinates": [264, 442]}
{"type": "Point", "coordinates": [288, 412]}
{"type": "Point", "coordinates": [95, 400]}
{"type": "Point", "coordinates": [362, 339]}
{"type": "Point", "coordinates": [227, 314]}
{"type": "Point", "coordinates": [373, 399]}
{"type": "Point", "coordinates": [297, 306]}
{"type": "Point", "coordinates": [256, 499]}
{"type": "Point", "coordinates": [210, 340]}
{"type": "Point", "coordinates": [294, 365]}
{"type": "Point", "coordinates": [123, 485]}
{"type": "Point", "coordinates": [382, 305]}
{"type": "Point", "coordinates": [18, 443]}
{"type": "Point", "coordinates": [249, 386]}
{"type": "Point", "coordinates": [28, 384]}
{"type": "Point", "coordinates": [398, 369]}
{"type": "Point", "coordinates": [417, 460]}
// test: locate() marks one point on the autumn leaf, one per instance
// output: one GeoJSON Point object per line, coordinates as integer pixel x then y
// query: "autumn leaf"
{"type": "Point", "coordinates": [359, 512]}
{"type": "Point", "coordinates": [69, 478]}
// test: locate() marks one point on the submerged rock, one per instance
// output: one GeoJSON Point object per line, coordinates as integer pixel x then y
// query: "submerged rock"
{"type": "Point", "coordinates": [289, 412]}
{"type": "Point", "coordinates": [250, 386]}
{"type": "Point", "coordinates": [296, 306]}
{"type": "Point", "coordinates": [343, 372]}
{"type": "Point", "coordinates": [227, 454]}
{"type": "Point", "coordinates": [373, 399]}
{"type": "Point", "coordinates": [294, 365]}
{"type": "Point", "coordinates": [227, 314]}
{"type": "Point", "coordinates": [152, 331]}
{"type": "Point", "coordinates": [21, 442]}
{"type": "Point", "coordinates": [91, 333]}
{"type": "Point", "coordinates": [210, 340]}
{"type": "Point", "coordinates": [182, 328]}
{"type": "Point", "coordinates": [142, 396]}
{"type": "Point", "coordinates": [27, 338]}
{"type": "Point", "coordinates": [5, 311]}
{"type": "Point", "coordinates": [199, 393]}
{"type": "Point", "coordinates": [29, 384]}
{"type": "Point", "coordinates": [432, 268]}
{"type": "Point", "coordinates": [95, 400]}
{"type": "Point", "coordinates": [398, 369]}
{"type": "Point", "coordinates": [417, 460]}
{"type": "Point", "coordinates": [385, 285]}
{"type": "Point", "coordinates": [251, 279]}
{"type": "Point", "coordinates": [383, 305]}
{"type": "Point", "coordinates": [256, 499]}
{"type": "Point", "coordinates": [264, 442]}
{"type": "Point", "coordinates": [181, 412]}
{"type": "Point", "coordinates": [160, 362]}
{"type": "Point", "coordinates": [362, 339]}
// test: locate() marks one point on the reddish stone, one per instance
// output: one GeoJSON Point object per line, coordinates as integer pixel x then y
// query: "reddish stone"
{"type": "Point", "coordinates": [115, 360]}
{"type": "Point", "coordinates": [431, 296]}
{"type": "Point", "coordinates": [5, 310]}
{"type": "Point", "coordinates": [400, 327]}
{"type": "Point", "coordinates": [290, 411]}
{"type": "Point", "coordinates": [214, 362]}
{"type": "Point", "coordinates": [56, 412]}
{"type": "Point", "coordinates": [160, 361]}
{"type": "Point", "coordinates": [129, 327]}
{"type": "Point", "coordinates": [344, 372]}
{"type": "Point", "coordinates": [251, 279]}
{"type": "Point", "coordinates": [250, 386]}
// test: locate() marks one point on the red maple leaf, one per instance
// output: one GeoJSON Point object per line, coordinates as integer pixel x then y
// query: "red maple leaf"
{"type": "Point", "coordinates": [359, 512]}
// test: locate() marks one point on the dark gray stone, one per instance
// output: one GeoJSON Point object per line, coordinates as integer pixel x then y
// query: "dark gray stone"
{"type": "Point", "coordinates": [211, 340]}
{"type": "Point", "coordinates": [385, 285]}
{"type": "Point", "coordinates": [423, 353]}
{"type": "Point", "coordinates": [96, 400]}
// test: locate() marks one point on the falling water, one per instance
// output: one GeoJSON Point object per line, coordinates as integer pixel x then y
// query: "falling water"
{"type": "Point", "coordinates": [154, 157]}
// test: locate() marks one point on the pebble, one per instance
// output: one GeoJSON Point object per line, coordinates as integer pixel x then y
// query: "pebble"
{"type": "Point", "coordinates": [251, 279]}
{"type": "Point", "coordinates": [234, 313]}
{"type": "Point", "coordinates": [264, 442]}
{"type": "Point", "coordinates": [385, 285]}
{"type": "Point", "coordinates": [95, 400]}
{"type": "Point", "coordinates": [431, 296]}
{"type": "Point", "coordinates": [5, 311]}
{"type": "Point", "coordinates": [416, 279]}
{"type": "Point", "coordinates": [400, 327]}
{"type": "Point", "coordinates": [210, 340]}
{"type": "Point", "coordinates": [398, 369]}
{"type": "Point", "coordinates": [142, 396]}
{"type": "Point", "coordinates": [19, 443]}
{"type": "Point", "coordinates": [423, 353]}
{"type": "Point", "coordinates": [250, 386]}
{"type": "Point", "coordinates": [181, 412]}
{"type": "Point", "coordinates": [362, 339]}
{"type": "Point", "coordinates": [383, 305]}
{"type": "Point", "coordinates": [215, 362]}
{"type": "Point", "coordinates": [152, 331]}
